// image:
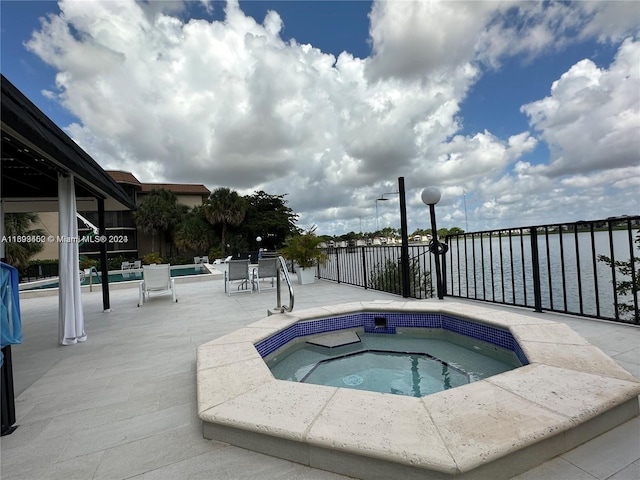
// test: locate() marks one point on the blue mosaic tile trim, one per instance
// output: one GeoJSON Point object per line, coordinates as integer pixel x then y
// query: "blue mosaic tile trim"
{"type": "Point", "coordinates": [496, 336]}
{"type": "Point", "coordinates": [367, 320]}
{"type": "Point", "coordinates": [274, 342]}
{"type": "Point", "coordinates": [519, 353]}
{"type": "Point", "coordinates": [395, 320]}
{"type": "Point", "coordinates": [325, 325]}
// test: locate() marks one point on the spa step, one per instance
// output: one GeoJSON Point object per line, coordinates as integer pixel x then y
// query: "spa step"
{"type": "Point", "coordinates": [338, 339]}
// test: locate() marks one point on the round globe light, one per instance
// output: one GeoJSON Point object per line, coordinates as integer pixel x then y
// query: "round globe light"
{"type": "Point", "coordinates": [431, 195]}
{"type": "Point", "coordinates": [258, 239]}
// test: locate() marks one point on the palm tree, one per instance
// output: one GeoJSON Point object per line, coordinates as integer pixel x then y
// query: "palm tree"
{"type": "Point", "coordinates": [226, 207]}
{"type": "Point", "coordinates": [158, 212]}
{"type": "Point", "coordinates": [21, 225]}
{"type": "Point", "coordinates": [194, 232]}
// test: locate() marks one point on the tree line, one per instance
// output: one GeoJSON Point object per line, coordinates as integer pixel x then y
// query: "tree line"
{"type": "Point", "coordinates": [390, 232]}
{"type": "Point", "coordinates": [227, 222]}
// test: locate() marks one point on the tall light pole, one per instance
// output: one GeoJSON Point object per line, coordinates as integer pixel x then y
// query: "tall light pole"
{"type": "Point", "coordinates": [404, 249]}
{"type": "Point", "coordinates": [466, 221]}
{"type": "Point", "coordinates": [381, 199]}
{"type": "Point", "coordinates": [431, 196]}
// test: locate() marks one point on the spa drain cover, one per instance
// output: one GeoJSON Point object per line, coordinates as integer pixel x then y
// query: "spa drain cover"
{"type": "Point", "coordinates": [353, 380]}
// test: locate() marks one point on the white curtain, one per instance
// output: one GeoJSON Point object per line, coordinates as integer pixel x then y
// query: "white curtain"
{"type": "Point", "coordinates": [70, 313]}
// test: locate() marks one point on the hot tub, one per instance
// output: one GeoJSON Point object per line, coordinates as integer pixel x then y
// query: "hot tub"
{"type": "Point", "coordinates": [409, 353]}
{"type": "Point", "coordinates": [566, 393]}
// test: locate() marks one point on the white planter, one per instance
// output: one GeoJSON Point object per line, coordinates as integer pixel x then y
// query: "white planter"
{"type": "Point", "coordinates": [306, 275]}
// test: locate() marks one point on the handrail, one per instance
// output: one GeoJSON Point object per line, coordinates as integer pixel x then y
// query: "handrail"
{"type": "Point", "coordinates": [283, 267]}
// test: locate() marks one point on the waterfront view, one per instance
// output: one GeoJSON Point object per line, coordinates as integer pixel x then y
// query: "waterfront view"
{"type": "Point", "coordinates": [499, 267]}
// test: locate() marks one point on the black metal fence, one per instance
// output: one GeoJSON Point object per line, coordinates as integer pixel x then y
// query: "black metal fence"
{"type": "Point", "coordinates": [585, 268]}
{"type": "Point", "coordinates": [38, 271]}
{"type": "Point", "coordinates": [378, 268]}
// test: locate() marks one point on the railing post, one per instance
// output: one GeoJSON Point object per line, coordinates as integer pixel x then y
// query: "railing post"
{"type": "Point", "coordinates": [444, 267]}
{"type": "Point", "coordinates": [364, 268]}
{"type": "Point", "coordinates": [278, 296]}
{"type": "Point", "coordinates": [337, 266]}
{"type": "Point", "coordinates": [404, 249]}
{"type": "Point", "coordinates": [535, 263]}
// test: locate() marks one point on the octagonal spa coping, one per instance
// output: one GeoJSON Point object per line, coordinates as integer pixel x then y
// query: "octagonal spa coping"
{"type": "Point", "coordinates": [569, 393]}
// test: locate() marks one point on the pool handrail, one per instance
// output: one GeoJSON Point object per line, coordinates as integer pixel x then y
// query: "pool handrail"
{"type": "Point", "coordinates": [281, 265]}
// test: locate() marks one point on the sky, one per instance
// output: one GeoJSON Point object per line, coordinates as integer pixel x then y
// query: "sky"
{"type": "Point", "coordinates": [521, 113]}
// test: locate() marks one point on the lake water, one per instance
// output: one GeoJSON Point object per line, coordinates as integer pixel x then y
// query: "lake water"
{"type": "Point", "coordinates": [500, 269]}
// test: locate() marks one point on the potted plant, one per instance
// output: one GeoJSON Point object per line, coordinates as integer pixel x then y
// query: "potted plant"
{"type": "Point", "coordinates": [304, 250]}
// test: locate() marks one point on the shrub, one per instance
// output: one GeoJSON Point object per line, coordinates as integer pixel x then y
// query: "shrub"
{"type": "Point", "coordinates": [216, 252]}
{"type": "Point", "coordinates": [626, 288]}
{"type": "Point", "coordinates": [304, 249]}
{"type": "Point", "coordinates": [115, 263]}
{"type": "Point", "coordinates": [151, 258]}
{"type": "Point", "coordinates": [388, 278]}
{"type": "Point", "coordinates": [88, 263]}
{"type": "Point", "coordinates": [179, 260]}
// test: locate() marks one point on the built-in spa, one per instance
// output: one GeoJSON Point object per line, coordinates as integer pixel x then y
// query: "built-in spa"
{"type": "Point", "coordinates": [401, 353]}
{"type": "Point", "coordinates": [420, 389]}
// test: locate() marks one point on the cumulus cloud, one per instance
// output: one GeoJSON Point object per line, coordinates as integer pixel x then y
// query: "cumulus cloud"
{"type": "Point", "coordinates": [232, 103]}
{"type": "Point", "coordinates": [591, 119]}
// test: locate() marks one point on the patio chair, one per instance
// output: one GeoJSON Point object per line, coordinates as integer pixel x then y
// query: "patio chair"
{"type": "Point", "coordinates": [238, 270]}
{"type": "Point", "coordinates": [196, 260]}
{"type": "Point", "coordinates": [156, 279]}
{"type": "Point", "coordinates": [137, 264]}
{"type": "Point", "coordinates": [267, 269]}
{"type": "Point", "coordinates": [125, 266]}
{"type": "Point", "coordinates": [204, 259]}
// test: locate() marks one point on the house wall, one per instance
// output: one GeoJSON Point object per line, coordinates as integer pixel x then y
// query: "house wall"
{"type": "Point", "coordinates": [115, 226]}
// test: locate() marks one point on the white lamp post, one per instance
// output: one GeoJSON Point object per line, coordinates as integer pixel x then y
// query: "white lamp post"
{"type": "Point", "coordinates": [259, 239]}
{"type": "Point", "coordinates": [431, 196]}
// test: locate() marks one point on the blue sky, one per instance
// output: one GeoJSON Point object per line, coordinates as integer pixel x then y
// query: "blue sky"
{"type": "Point", "coordinates": [459, 95]}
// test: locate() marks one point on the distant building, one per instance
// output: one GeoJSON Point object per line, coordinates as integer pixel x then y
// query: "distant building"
{"type": "Point", "coordinates": [120, 224]}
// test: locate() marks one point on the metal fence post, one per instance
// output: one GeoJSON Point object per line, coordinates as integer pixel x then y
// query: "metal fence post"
{"type": "Point", "coordinates": [535, 263]}
{"type": "Point", "coordinates": [364, 268]}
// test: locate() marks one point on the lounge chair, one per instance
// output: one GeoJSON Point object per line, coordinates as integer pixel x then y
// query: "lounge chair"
{"type": "Point", "coordinates": [156, 279]}
{"type": "Point", "coordinates": [125, 266]}
{"type": "Point", "coordinates": [267, 269]}
{"type": "Point", "coordinates": [237, 270]}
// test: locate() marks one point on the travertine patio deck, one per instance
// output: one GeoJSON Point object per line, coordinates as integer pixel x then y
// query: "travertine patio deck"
{"type": "Point", "coordinates": [123, 404]}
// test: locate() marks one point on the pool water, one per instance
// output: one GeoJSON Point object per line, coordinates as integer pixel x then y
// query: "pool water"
{"type": "Point", "coordinates": [406, 363]}
{"type": "Point", "coordinates": [126, 276]}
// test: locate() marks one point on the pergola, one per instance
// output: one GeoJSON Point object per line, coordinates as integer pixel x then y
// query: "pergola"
{"type": "Point", "coordinates": [37, 157]}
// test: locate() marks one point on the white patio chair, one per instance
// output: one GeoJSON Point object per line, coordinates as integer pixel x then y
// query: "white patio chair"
{"type": "Point", "coordinates": [156, 279]}
{"type": "Point", "coordinates": [267, 269]}
{"type": "Point", "coordinates": [125, 266]}
{"type": "Point", "coordinates": [204, 259]}
{"type": "Point", "coordinates": [238, 270]}
{"type": "Point", "coordinates": [137, 264]}
{"type": "Point", "coordinates": [197, 260]}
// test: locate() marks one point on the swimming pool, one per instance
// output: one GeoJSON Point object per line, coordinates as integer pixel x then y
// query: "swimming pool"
{"type": "Point", "coordinates": [115, 277]}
